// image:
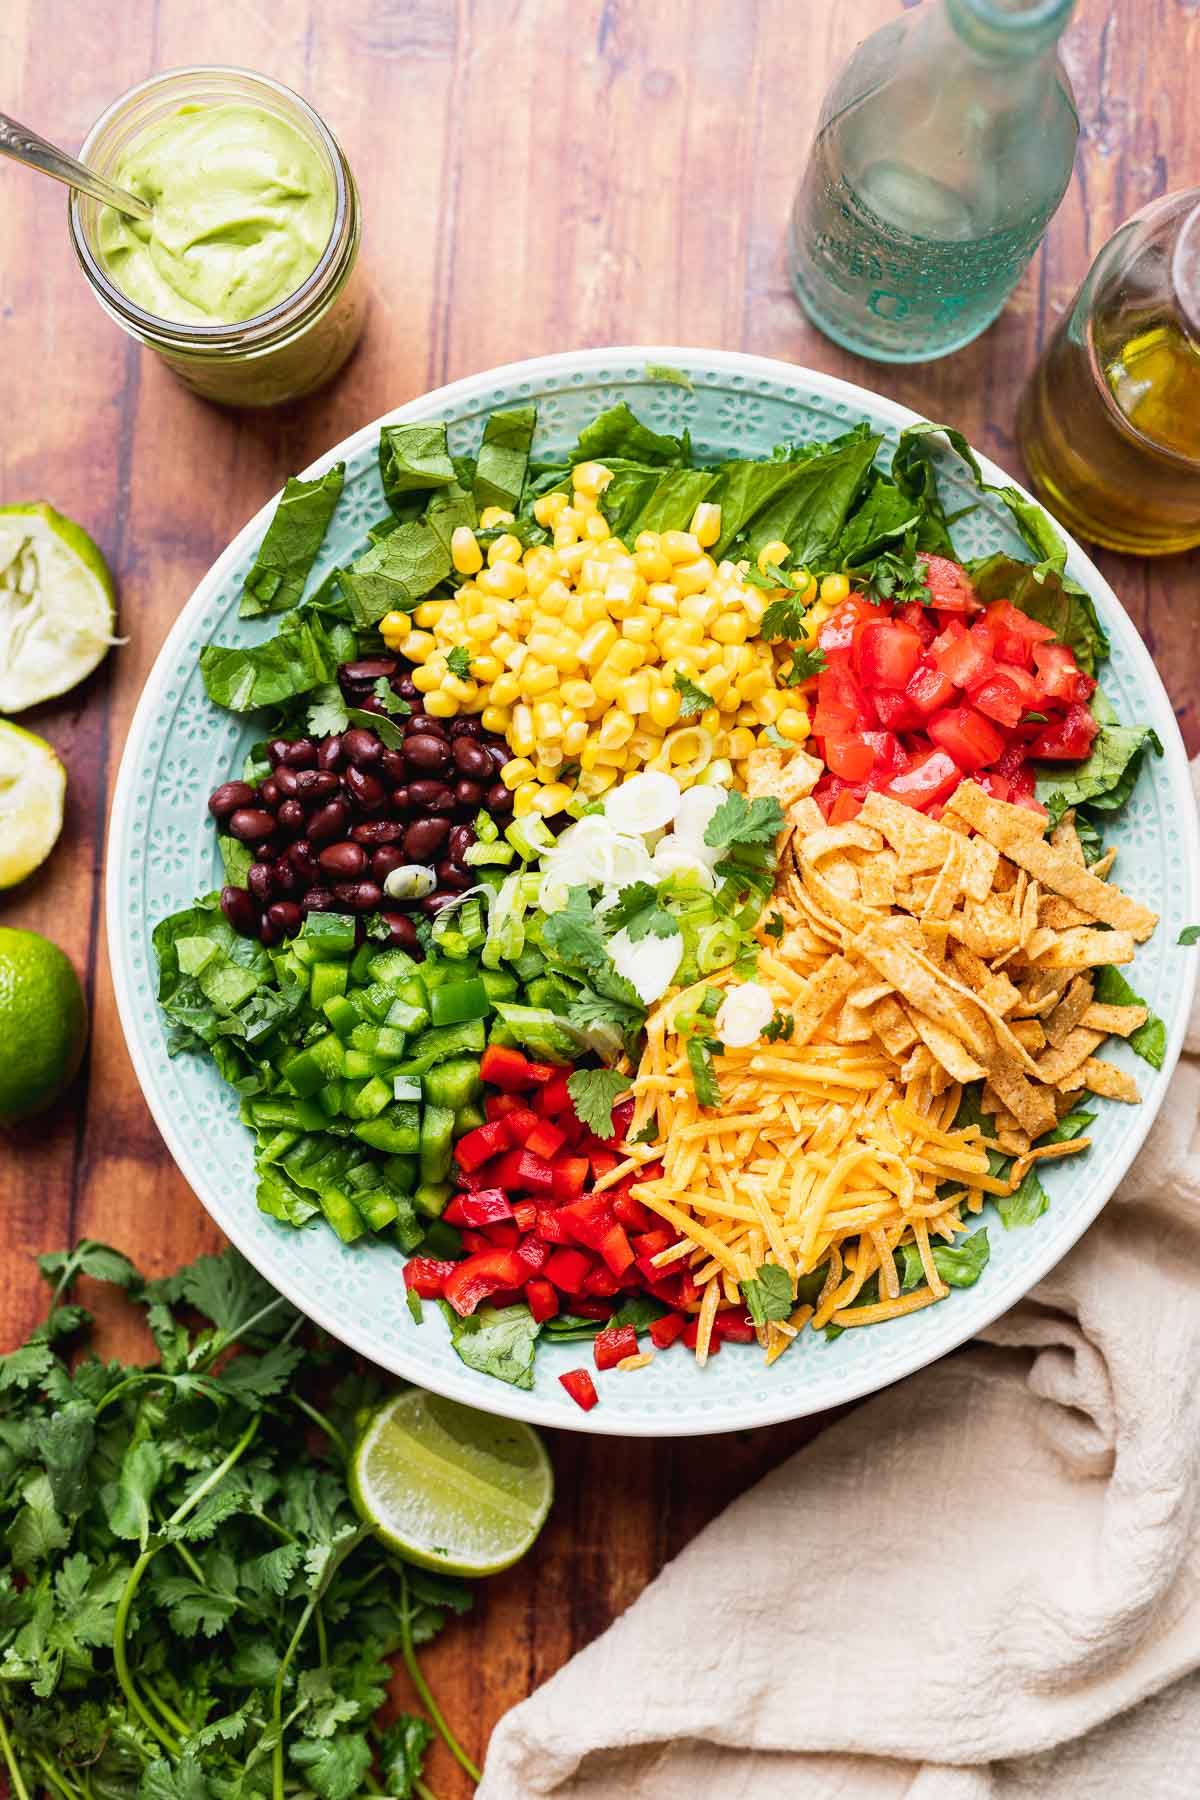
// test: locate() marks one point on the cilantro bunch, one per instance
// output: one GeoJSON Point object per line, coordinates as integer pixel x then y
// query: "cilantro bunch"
{"type": "Point", "coordinates": [190, 1608]}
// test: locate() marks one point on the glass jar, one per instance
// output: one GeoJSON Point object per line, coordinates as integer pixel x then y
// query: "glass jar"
{"type": "Point", "coordinates": [293, 347]}
{"type": "Point", "coordinates": [1109, 423]}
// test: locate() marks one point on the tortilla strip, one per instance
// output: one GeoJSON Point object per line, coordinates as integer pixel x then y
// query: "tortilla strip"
{"type": "Point", "coordinates": [892, 1026]}
{"type": "Point", "coordinates": [767, 773]}
{"type": "Point", "coordinates": [1052, 867]}
{"type": "Point", "coordinates": [988, 929]}
{"type": "Point", "coordinates": [919, 842]}
{"type": "Point", "coordinates": [1029, 1033]}
{"type": "Point", "coordinates": [909, 974]}
{"type": "Point", "coordinates": [1083, 948]}
{"type": "Point", "coordinates": [1068, 1056]}
{"type": "Point", "coordinates": [980, 870]}
{"type": "Point", "coordinates": [1119, 1020]}
{"type": "Point", "coordinates": [945, 1047]}
{"type": "Point", "coordinates": [877, 880]}
{"type": "Point", "coordinates": [1109, 1082]}
{"type": "Point", "coordinates": [1057, 914]}
{"type": "Point", "coordinates": [1012, 1140]}
{"type": "Point", "coordinates": [1041, 993]}
{"type": "Point", "coordinates": [1070, 1011]}
{"type": "Point", "coordinates": [1032, 1107]}
{"type": "Point", "coordinates": [948, 883]}
{"type": "Point", "coordinates": [822, 992]}
{"type": "Point", "coordinates": [804, 816]}
{"type": "Point", "coordinates": [1103, 864]}
{"type": "Point", "coordinates": [1064, 837]}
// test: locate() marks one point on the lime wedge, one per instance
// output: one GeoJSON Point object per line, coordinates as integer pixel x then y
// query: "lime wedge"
{"type": "Point", "coordinates": [57, 605]}
{"type": "Point", "coordinates": [451, 1488]}
{"type": "Point", "coordinates": [33, 784]}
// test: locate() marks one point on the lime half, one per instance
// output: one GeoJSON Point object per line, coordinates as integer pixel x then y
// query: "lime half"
{"type": "Point", "coordinates": [451, 1488]}
{"type": "Point", "coordinates": [43, 1023]}
{"type": "Point", "coordinates": [57, 605]}
{"type": "Point", "coordinates": [33, 784]}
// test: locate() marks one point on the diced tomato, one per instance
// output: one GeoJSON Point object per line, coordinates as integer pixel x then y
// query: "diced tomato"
{"type": "Point", "coordinates": [616, 1250]}
{"type": "Point", "coordinates": [614, 1345]}
{"type": "Point", "coordinates": [928, 690]}
{"type": "Point", "coordinates": [996, 787]}
{"type": "Point", "coordinates": [964, 659]}
{"type": "Point", "coordinates": [551, 1227]}
{"type": "Point", "coordinates": [889, 755]}
{"type": "Point", "coordinates": [480, 1275]}
{"type": "Point", "coordinates": [568, 1269]}
{"type": "Point", "coordinates": [851, 758]}
{"type": "Point", "coordinates": [488, 1207]}
{"type": "Point", "coordinates": [541, 1298]}
{"type": "Point", "coordinates": [568, 1176]}
{"type": "Point", "coordinates": [525, 1213]}
{"type": "Point", "coordinates": [837, 634]}
{"type": "Point", "coordinates": [506, 1068]}
{"type": "Point", "coordinates": [631, 1213]}
{"type": "Point", "coordinates": [480, 1145]}
{"type": "Point", "coordinates": [734, 1326]}
{"type": "Point", "coordinates": [534, 1254]}
{"type": "Point", "coordinates": [967, 736]}
{"type": "Point", "coordinates": [1067, 738]}
{"type": "Point", "coordinates": [845, 808]}
{"type": "Point", "coordinates": [427, 1276]}
{"type": "Point", "coordinates": [545, 1140]}
{"type": "Point", "coordinates": [497, 1105]}
{"type": "Point", "coordinates": [921, 620]}
{"type": "Point", "coordinates": [998, 698]}
{"type": "Point", "coordinates": [949, 585]}
{"type": "Point", "coordinates": [664, 1331]}
{"type": "Point", "coordinates": [1059, 674]}
{"type": "Point", "coordinates": [928, 780]}
{"type": "Point", "coordinates": [896, 712]}
{"type": "Point", "coordinates": [1003, 616]}
{"type": "Point", "coordinates": [886, 651]}
{"type": "Point", "coordinates": [581, 1387]}
{"type": "Point", "coordinates": [1024, 682]}
{"type": "Point", "coordinates": [692, 1332]}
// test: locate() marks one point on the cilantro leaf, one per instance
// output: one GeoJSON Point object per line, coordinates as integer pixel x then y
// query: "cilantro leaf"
{"type": "Point", "coordinates": [648, 1134]}
{"type": "Point", "coordinates": [334, 1766]}
{"type": "Point", "coordinates": [780, 1025]}
{"type": "Point", "coordinates": [741, 821]}
{"type": "Point", "coordinates": [636, 910]}
{"type": "Point", "coordinates": [784, 618]}
{"type": "Point", "coordinates": [390, 701]}
{"type": "Point", "coordinates": [899, 576]}
{"type": "Point", "coordinates": [327, 714]}
{"type": "Point", "coordinates": [804, 664]}
{"type": "Point", "coordinates": [402, 1751]}
{"type": "Point", "coordinates": [775, 927]}
{"type": "Point", "coordinates": [1188, 936]}
{"type": "Point", "coordinates": [693, 699]}
{"type": "Point", "coordinates": [769, 1294]}
{"type": "Point", "coordinates": [458, 661]}
{"type": "Point", "coordinates": [704, 1076]}
{"type": "Point", "coordinates": [594, 1093]}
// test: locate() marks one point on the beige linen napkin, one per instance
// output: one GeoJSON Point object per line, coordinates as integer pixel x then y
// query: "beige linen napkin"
{"type": "Point", "coordinates": [982, 1585]}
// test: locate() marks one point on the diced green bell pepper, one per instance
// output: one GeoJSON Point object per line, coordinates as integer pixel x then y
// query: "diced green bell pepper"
{"type": "Point", "coordinates": [370, 1099]}
{"type": "Point", "coordinates": [499, 984]}
{"type": "Point", "coordinates": [403, 1016]}
{"type": "Point", "coordinates": [455, 1002]}
{"type": "Point", "coordinates": [276, 1146]}
{"type": "Point", "coordinates": [454, 1083]}
{"type": "Point", "coordinates": [341, 1213]}
{"type": "Point", "coordinates": [400, 1172]}
{"type": "Point", "coordinates": [442, 1041]}
{"type": "Point", "coordinates": [332, 1097]}
{"type": "Point", "coordinates": [441, 1240]}
{"type": "Point", "coordinates": [431, 1197]}
{"type": "Point", "coordinates": [341, 1013]}
{"type": "Point", "coordinates": [327, 937]}
{"type": "Point", "coordinates": [279, 1109]}
{"type": "Point", "coordinates": [467, 1118]}
{"type": "Point", "coordinates": [437, 1141]}
{"type": "Point", "coordinates": [326, 981]}
{"type": "Point", "coordinates": [376, 1207]}
{"type": "Point", "coordinates": [392, 967]}
{"type": "Point", "coordinates": [408, 1087]}
{"type": "Point", "coordinates": [396, 1129]}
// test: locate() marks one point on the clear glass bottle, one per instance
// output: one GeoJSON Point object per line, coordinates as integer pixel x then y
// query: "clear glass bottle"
{"type": "Point", "coordinates": [294, 347]}
{"type": "Point", "coordinates": [1109, 422]}
{"type": "Point", "coordinates": [942, 151]}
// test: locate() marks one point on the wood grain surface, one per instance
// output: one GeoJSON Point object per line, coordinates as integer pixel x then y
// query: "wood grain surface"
{"type": "Point", "coordinates": [536, 175]}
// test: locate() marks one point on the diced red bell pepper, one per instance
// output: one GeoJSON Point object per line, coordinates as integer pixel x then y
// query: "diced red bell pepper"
{"type": "Point", "coordinates": [692, 1332]}
{"type": "Point", "coordinates": [505, 1171]}
{"type": "Point", "coordinates": [525, 1213]}
{"type": "Point", "coordinates": [545, 1140]}
{"type": "Point", "coordinates": [480, 1145]}
{"type": "Point", "coordinates": [541, 1298]}
{"type": "Point", "coordinates": [664, 1331]}
{"type": "Point", "coordinates": [616, 1250]}
{"type": "Point", "coordinates": [568, 1269]}
{"type": "Point", "coordinates": [631, 1213]}
{"type": "Point", "coordinates": [950, 587]}
{"type": "Point", "coordinates": [967, 736]}
{"type": "Point", "coordinates": [622, 1117]}
{"type": "Point", "coordinates": [589, 1219]}
{"type": "Point", "coordinates": [592, 1308]}
{"type": "Point", "coordinates": [485, 1208]}
{"type": "Point", "coordinates": [427, 1276]}
{"type": "Point", "coordinates": [570, 1175]}
{"type": "Point", "coordinates": [1067, 738]}
{"type": "Point", "coordinates": [520, 1123]}
{"type": "Point", "coordinates": [534, 1253]}
{"type": "Point", "coordinates": [551, 1227]}
{"type": "Point", "coordinates": [534, 1173]}
{"type": "Point", "coordinates": [928, 780]}
{"type": "Point", "coordinates": [653, 1242]}
{"type": "Point", "coordinates": [999, 698]}
{"type": "Point", "coordinates": [996, 787]}
{"type": "Point", "coordinates": [473, 1181]}
{"type": "Point", "coordinates": [581, 1387]}
{"type": "Point", "coordinates": [554, 1100]}
{"type": "Point", "coordinates": [476, 1240]}
{"type": "Point", "coordinates": [504, 1235]}
{"type": "Point", "coordinates": [852, 758]}
{"type": "Point", "coordinates": [497, 1105]}
{"type": "Point", "coordinates": [734, 1326]}
{"type": "Point", "coordinates": [601, 1282]}
{"type": "Point", "coordinates": [886, 651]}
{"type": "Point", "coordinates": [614, 1345]}
{"type": "Point", "coordinates": [503, 1067]}
{"type": "Point", "coordinates": [603, 1161]}
{"type": "Point", "coordinates": [479, 1276]}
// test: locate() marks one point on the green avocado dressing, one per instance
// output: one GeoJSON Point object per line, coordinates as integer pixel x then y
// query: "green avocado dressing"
{"type": "Point", "coordinates": [243, 210]}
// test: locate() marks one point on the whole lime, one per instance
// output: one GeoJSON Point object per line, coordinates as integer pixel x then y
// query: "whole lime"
{"type": "Point", "coordinates": [43, 1023]}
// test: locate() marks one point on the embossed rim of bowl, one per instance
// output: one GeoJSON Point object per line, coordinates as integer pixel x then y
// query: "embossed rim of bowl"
{"type": "Point", "coordinates": [976, 1308]}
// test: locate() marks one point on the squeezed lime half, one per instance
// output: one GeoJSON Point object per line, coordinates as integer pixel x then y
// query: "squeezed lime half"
{"type": "Point", "coordinates": [33, 786]}
{"type": "Point", "coordinates": [57, 605]}
{"type": "Point", "coordinates": [451, 1488]}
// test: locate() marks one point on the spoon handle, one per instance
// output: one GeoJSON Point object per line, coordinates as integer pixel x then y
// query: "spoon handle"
{"type": "Point", "coordinates": [25, 146]}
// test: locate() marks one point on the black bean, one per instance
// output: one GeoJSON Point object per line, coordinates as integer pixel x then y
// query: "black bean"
{"type": "Point", "coordinates": [228, 798]}
{"type": "Point", "coordinates": [362, 747]}
{"type": "Point", "coordinates": [240, 910]}
{"type": "Point", "coordinates": [318, 899]}
{"type": "Point", "coordinates": [385, 859]}
{"type": "Point", "coordinates": [359, 896]}
{"type": "Point", "coordinates": [330, 754]}
{"type": "Point", "coordinates": [369, 704]}
{"type": "Point", "coordinates": [251, 823]}
{"type": "Point", "coordinates": [469, 728]}
{"type": "Point", "coordinates": [427, 753]}
{"type": "Point", "coordinates": [421, 725]}
{"type": "Point", "coordinates": [367, 791]}
{"type": "Point", "coordinates": [426, 839]}
{"type": "Point", "coordinates": [301, 755]}
{"type": "Point", "coordinates": [472, 759]}
{"type": "Point", "coordinates": [369, 669]}
{"type": "Point", "coordinates": [393, 767]}
{"type": "Point", "coordinates": [260, 880]}
{"type": "Point", "coordinates": [405, 687]}
{"type": "Point", "coordinates": [285, 781]}
{"type": "Point", "coordinates": [285, 878]}
{"type": "Point", "coordinates": [303, 859]}
{"type": "Point", "coordinates": [468, 794]}
{"type": "Point", "coordinates": [432, 904]}
{"type": "Point", "coordinates": [291, 817]}
{"type": "Point", "coordinates": [277, 749]}
{"type": "Point", "coordinates": [452, 877]}
{"type": "Point", "coordinates": [377, 831]}
{"type": "Point", "coordinates": [345, 860]}
{"type": "Point", "coordinates": [265, 852]}
{"type": "Point", "coordinates": [286, 917]}
{"type": "Point", "coordinates": [269, 793]}
{"type": "Point", "coordinates": [329, 821]}
{"type": "Point", "coordinates": [431, 796]}
{"type": "Point", "coordinates": [400, 802]}
{"type": "Point", "coordinates": [269, 933]}
{"type": "Point", "coordinates": [499, 753]}
{"type": "Point", "coordinates": [317, 784]}
{"type": "Point", "coordinates": [461, 839]}
{"type": "Point", "coordinates": [402, 933]}
{"type": "Point", "coordinates": [498, 799]}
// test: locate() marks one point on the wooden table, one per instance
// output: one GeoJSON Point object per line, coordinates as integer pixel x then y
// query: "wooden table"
{"type": "Point", "coordinates": [536, 175]}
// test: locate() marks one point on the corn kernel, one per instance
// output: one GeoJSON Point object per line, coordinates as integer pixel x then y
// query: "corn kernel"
{"type": "Point", "coordinates": [606, 681]}
{"type": "Point", "coordinates": [594, 782]}
{"type": "Point", "coordinates": [634, 693]}
{"type": "Point", "coordinates": [579, 695]}
{"type": "Point", "coordinates": [495, 719]}
{"type": "Point", "coordinates": [505, 548]}
{"type": "Point", "coordinates": [547, 507]}
{"type": "Point", "coordinates": [574, 737]}
{"type": "Point", "coordinates": [616, 729]}
{"type": "Point", "coordinates": [737, 658]}
{"type": "Point", "coordinates": [505, 689]}
{"type": "Point", "coordinates": [642, 746]}
{"type": "Point", "coordinates": [462, 691]}
{"type": "Point", "coordinates": [514, 772]}
{"type": "Point", "coordinates": [428, 613]}
{"type": "Point", "coordinates": [680, 546]}
{"type": "Point", "coordinates": [653, 565]}
{"type": "Point", "coordinates": [550, 760]}
{"type": "Point", "coordinates": [505, 580]}
{"type": "Point", "coordinates": [465, 553]}
{"type": "Point", "coordinates": [552, 799]}
{"type": "Point", "coordinates": [741, 743]}
{"type": "Point", "coordinates": [792, 724]}
{"type": "Point", "coordinates": [768, 706]}
{"type": "Point", "coordinates": [776, 552]}
{"type": "Point", "coordinates": [524, 798]}
{"type": "Point", "coordinates": [547, 719]}
{"type": "Point", "coordinates": [596, 529]}
{"type": "Point", "coordinates": [418, 646]}
{"type": "Point", "coordinates": [491, 516]}
{"type": "Point", "coordinates": [753, 684]}
{"type": "Point", "coordinates": [638, 628]}
{"type": "Point", "coordinates": [706, 524]}
{"type": "Point", "coordinates": [486, 668]}
{"type": "Point", "coordinates": [565, 534]}
{"type": "Point", "coordinates": [590, 478]}
{"type": "Point", "coordinates": [521, 735]}
{"type": "Point", "coordinates": [427, 678]}
{"type": "Point", "coordinates": [623, 657]}
{"type": "Point", "coordinates": [835, 589]}
{"type": "Point", "coordinates": [596, 644]}
{"type": "Point", "coordinates": [541, 680]}
{"type": "Point", "coordinates": [665, 703]}
{"type": "Point", "coordinates": [730, 629]}
{"type": "Point", "coordinates": [571, 557]}
{"type": "Point", "coordinates": [695, 604]}
{"type": "Point", "coordinates": [441, 706]}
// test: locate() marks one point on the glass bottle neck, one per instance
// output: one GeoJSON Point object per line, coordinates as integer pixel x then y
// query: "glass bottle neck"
{"type": "Point", "coordinates": [1013, 31]}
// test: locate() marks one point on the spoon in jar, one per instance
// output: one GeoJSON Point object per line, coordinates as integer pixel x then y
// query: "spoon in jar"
{"type": "Point", "coordinates": [25, 146]}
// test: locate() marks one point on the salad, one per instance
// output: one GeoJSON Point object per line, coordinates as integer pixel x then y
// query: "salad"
{"type": "Point", "coordinates": [667, 901]}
